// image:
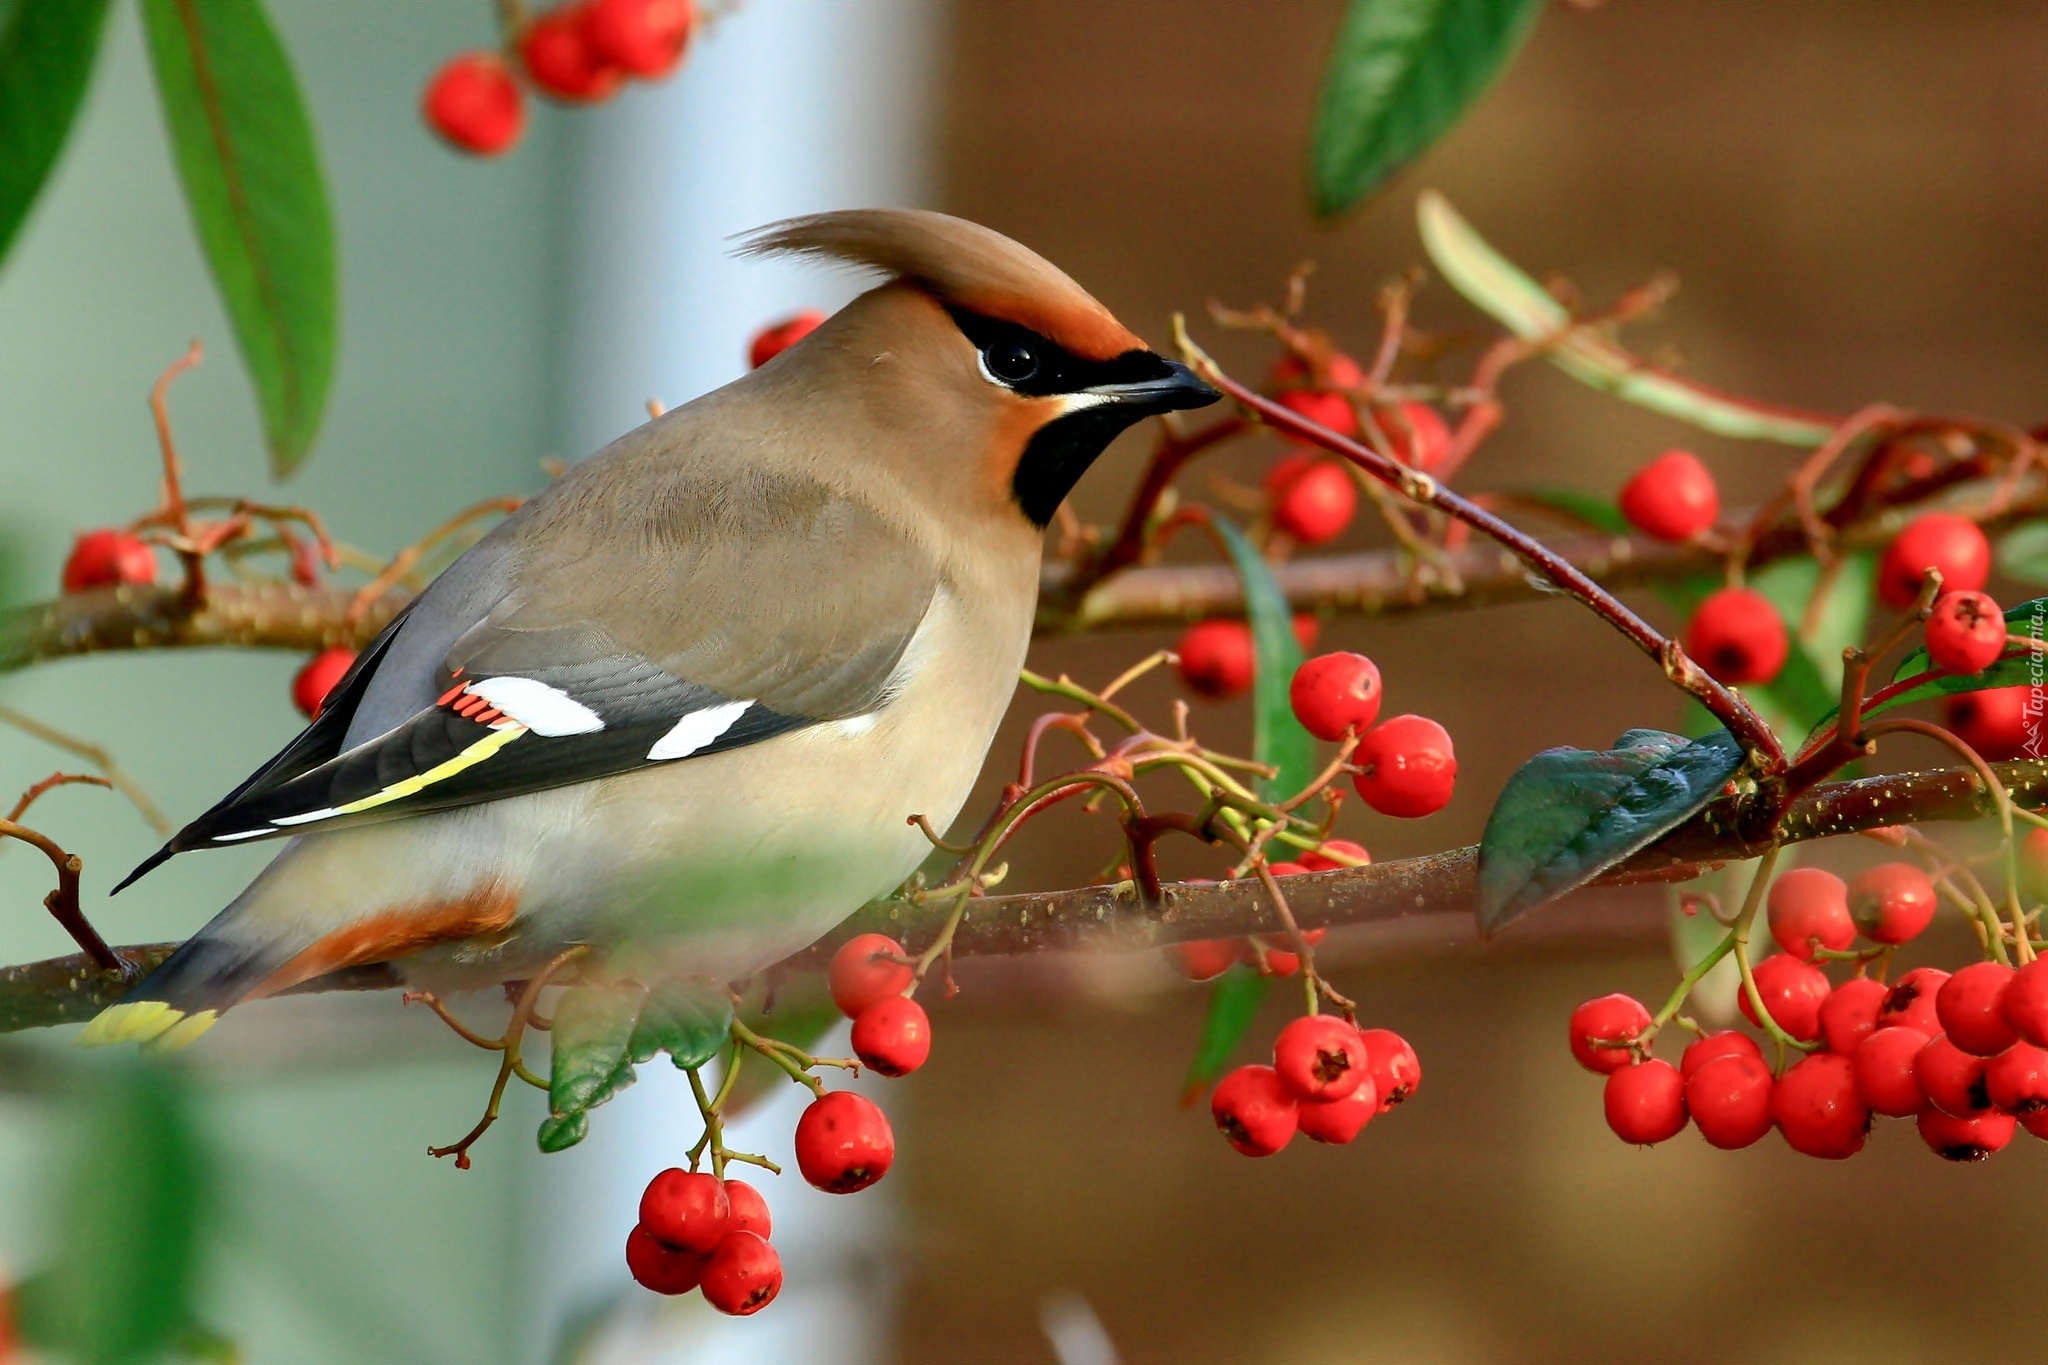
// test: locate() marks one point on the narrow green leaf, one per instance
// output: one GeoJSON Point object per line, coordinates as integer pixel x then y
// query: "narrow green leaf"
{"type": "Point", "coordinates": [245, 151]}
{"type": "Point", "coordinates": [47, 49]}
{"type": "Point", "coordinates": [1233, 1004]}
{"type": "Point", "coordinates": [1493, 284]}
{"type": "Point", "coordinates": [1401, 74]}
{"type": "Point", "coordinates": [1567, 815]}
{"type": "Point", "coordinates": [593, 1027]}
{"type": "Point", "coordinates": [690, 1019]}
{"type": "Point", "coordinates": [128, 1244]}
{"type": "Point", "coordinates": [1277, 737]}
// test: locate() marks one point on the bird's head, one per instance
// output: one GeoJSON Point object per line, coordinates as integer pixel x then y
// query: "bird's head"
{"type": "Point", "coordinates": [981, 365]}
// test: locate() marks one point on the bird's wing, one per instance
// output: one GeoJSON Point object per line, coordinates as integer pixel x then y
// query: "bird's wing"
{"type": "Point", "coordinates": [601, 639]}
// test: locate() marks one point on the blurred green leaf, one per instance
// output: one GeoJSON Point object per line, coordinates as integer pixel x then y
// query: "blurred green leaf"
{"type": "Point", "coordinates": [2023, 553]}
{"type": "Point", "coordinates": [128, 1245]}
{"type": "Point", "coordinates": [1233, 1004]}
{"type": "Point", "coordinates": [1277, 737]}
{"type": "Point", "coordinates": [244, 148]}
{"type": "Point", "coordinates": [688, 1018]}
{"type": "Point", "coordinates": [1567, 815]}
{"type": "Point", "coordinates": [593, 1029]}
{"type": "Point", "coordinates": [1494, 285]}
{"type": "Point", "coordinates": [1590, 508]}
{"type": "Point", "coordinates": [47, 49]}
{"type": "Point", "coordinates": [1401, 73]}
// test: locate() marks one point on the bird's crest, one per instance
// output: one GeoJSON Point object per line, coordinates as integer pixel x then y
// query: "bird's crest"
{"type": "Point", "coordinates": [964, 264]}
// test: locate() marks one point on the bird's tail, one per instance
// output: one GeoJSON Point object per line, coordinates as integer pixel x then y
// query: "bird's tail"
{"type": "Point", "coordinates": [187, 992]}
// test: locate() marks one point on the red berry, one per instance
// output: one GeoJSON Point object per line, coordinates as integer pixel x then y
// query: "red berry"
{"type": "Point", "coordinates": [1645, 1103]}
{"type": "Point", "coordinates": [893, 1036]}
{"type": "Point", "coordinates": [1325, 858]}
{"type": "Point", "coordinates": [1792, 991]}
{"type": "Point", "coordinates": [1971, 1008]}
{"type": "Point", "coordinates": [1976, 1138]}
{"type": "Point", "coordinates": [1951, 1079]}
{"type": "Point", "coordinates": [1934, 540]}
{"type": "Point", "coordinates": [1892, 903]}
{"type": "Point", "coordinates": [771, 342]}
{"type": "Point", "coordinates": [1849, 1014]}
{"type": "Point", "coordinates": [2017, 1079]}
{"type": "Point", "coordinates": [1598, 1025]}
{"type": "Point", "coordinates": [317, 680]}
{"type": "Point", "coordinates": [1884, 1072]}
{"type": "Point", "coordinates": [749, 1209]}
{"type": "Point", "coordinates": [866, 971]}
{"type": "Point", "coordinates": [843, 1143]}
{"type": "Point", "coordinates": [1729, 1098]}
{"type": "Point", "coordinates": [1339, 370]}
{"type": "Point", "coordinates": [556, 51]}
{"type": "Point", "coordinates": [662, 1269]}
{"type": "Point", "coordinates": [743, 1276]}
{"type": "Point", "coordinates": [1205, 957]}
{"type": "Point", "coordinates": [1396, 1070]}
{"type": "Point", "coordinates": [1806, 904]}
{"type": "Point", "coordinates": [1816, 1107]}
{"type": "Point", "coordinates": [1966, 633]}
{"type": "Point", "coordinates": [1333, 693]}
{"type": "Point", "coordinates": [1338, 1121]}
{"type": "Point", "coordinates": [1325, 409]}
{"type": "Point", "coordinates": [475, 104]}
{"type": "Point", "coordinates": [1738, 637]}
{"type": "Point", "coordinates": [646, 37]}
{"type": "Point", "coordinates": [1320, 1057]}
{"type": "Point", "coordinates": [1317, 503]}
{"type": "Point", "coordinates": [1306, 630]}
{"type": "Point", "coordinates": [1910, 1001]}
{"type": "Point", "coordinates": [2001, 723]}
{"type": "Point", "coordinates": [1216, 658]}
{"type": "Point", "coordinates": [2026, 1002]}
{"type": "Point", "coordinates": [1275, 963]}
{"type": "Point", "coordinates": [1418, 434]}
{"type": "Point", "coordinates": [106, 559]}
{"type": "Point", "coordinates": [1254, 1111]}
{"type": "Point", "coordinates": [1408, 768]}
{"type": "Point", "coordinates": [1714, 1046]}
{"type": "Point", "coordinates": [687, 1210]}
{"type": "Point", "coordinates": [2036, 1123]}
{"type": "Point", "coordinates": [1673, 497]}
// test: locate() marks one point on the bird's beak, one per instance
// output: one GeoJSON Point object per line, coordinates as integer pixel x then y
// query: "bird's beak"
{"type": "Point", "coordinates": [1179, 387]}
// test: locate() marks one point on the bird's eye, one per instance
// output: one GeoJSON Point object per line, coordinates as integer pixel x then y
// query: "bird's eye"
{"type": "Point", "coordinates": [1013, 362]}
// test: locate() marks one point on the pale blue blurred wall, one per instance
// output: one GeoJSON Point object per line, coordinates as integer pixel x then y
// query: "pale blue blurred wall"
{"type": "Point", "coordinates": [495, 313]}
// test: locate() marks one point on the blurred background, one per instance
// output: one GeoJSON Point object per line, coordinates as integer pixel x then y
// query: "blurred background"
{"type": "Point", "coordinates": [1850, 191]}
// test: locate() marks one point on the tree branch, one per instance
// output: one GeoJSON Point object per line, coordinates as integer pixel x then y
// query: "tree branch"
{"type": "Point", "coordinates": [67, 990]}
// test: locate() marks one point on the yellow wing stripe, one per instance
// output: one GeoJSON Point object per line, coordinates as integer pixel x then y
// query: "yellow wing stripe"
{"type": "Point", "coordinates": [139, 1020]}
{"type": "Point", "coordinates": [468, 758]}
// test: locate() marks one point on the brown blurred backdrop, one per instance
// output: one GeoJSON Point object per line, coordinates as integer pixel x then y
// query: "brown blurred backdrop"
{"type": "Point", "coordinates": [1855, 195]}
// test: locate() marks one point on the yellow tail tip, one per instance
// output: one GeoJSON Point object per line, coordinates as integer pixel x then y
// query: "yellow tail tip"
{"type": "Point", "coordinates": [138, 1021]}
{"type": "Point", "coordinates": [184, 1033]}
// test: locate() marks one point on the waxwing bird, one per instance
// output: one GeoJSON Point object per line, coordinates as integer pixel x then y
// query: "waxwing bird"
{"type": "Point", "coordinates": [681, 705]}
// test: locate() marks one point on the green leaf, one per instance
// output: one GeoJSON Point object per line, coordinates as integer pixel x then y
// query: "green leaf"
{"type": "Point", "coordinates": [561, 1131]}
{"type": "Point", "coordinates": [46, 55]}
{"type": "Point", "coordinates": [1590, 508]}
{"type": "Point", "coordinates": [688, 1018]}
{"type": "Point", "coordinates": [121, 1289]}
{"type": "Point", "coordinates": [1567, 815]}
{"type": "Point", "coordinates": [2023, 553]}
{"type": "Point", "coordinates": [1233, 1004]}
{"type": "Point", "coordinates": [593, 1027]}
{"type": "Point", "coordinates": [1277, 737]}
{"type": "Point", "coordinates": [1401, 74]}
{"type": "Point", "coordinates": [1493, 284]}
{"type": "Point", "coordinates": [244, 149]}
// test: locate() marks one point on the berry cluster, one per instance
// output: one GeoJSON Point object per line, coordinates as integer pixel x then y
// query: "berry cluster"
{"type": "Point", "coordinates": [1964, 1055]}
{"type": "Point", "coordinates": [702, 1231]}
{"type": "Point", "coordinates": [1327, 1081]}
{"type": "Point", "coordinates": [1311, 497]}
{"type": "Point", "coordinates": [577, 53]}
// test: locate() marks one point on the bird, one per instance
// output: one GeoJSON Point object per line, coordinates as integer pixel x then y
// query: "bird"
{"type": "Point", "coordinates": [680, 708]}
